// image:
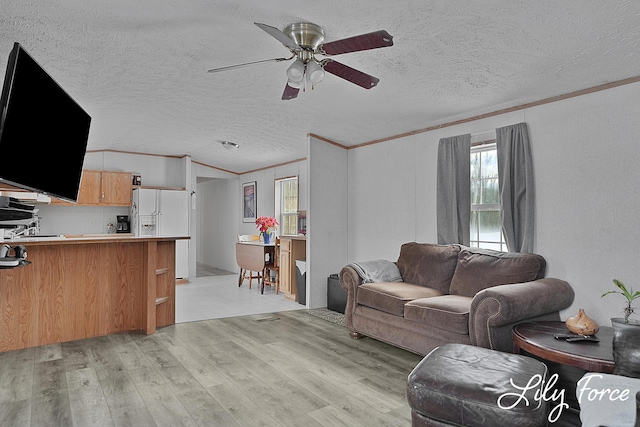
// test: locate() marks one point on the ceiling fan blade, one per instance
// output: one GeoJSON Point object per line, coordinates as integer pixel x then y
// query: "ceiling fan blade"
{"type": "Point", "coordinates": [280, 36]}
{"type": "Point", "coordinates": [233, 67]}
{"type": "Point", "coordinates": [367, 41]}
{"type": "Point", "coordinates": [290, 92]}
{"type": "Point", "coordinates": [351, 74]}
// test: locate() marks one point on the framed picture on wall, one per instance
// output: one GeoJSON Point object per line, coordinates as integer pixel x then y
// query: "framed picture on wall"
{"type": "Point", "coordinates": [249, 202]}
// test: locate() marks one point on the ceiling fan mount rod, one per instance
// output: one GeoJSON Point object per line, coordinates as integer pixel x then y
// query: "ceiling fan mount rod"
{"type": "Point", "coordinates": [306, 56]}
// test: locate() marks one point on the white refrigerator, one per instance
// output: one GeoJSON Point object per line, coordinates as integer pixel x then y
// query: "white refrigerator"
{"type": "Point", "coordinates": [163, 213]}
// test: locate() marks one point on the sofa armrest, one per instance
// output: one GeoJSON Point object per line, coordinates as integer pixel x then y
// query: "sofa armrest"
{"type": "Point", "coordinates": [494, 311]}
{"type": "Point", "coordinates": [350, 280]}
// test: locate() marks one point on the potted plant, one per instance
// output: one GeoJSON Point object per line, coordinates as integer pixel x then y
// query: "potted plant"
{"type": "Point", "coordinates": [265, 224]}
{"type": "Point", "coordinates": [629, 309]}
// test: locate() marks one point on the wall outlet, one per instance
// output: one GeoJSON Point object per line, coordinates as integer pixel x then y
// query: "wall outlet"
{"type": "Point", "coordinates": [92, 223]}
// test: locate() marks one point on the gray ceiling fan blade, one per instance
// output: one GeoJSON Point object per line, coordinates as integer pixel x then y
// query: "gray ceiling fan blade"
{"type": "Point", "coordinates": [280, 36]}
{"type": "Point", "coordinates": [233, 67]}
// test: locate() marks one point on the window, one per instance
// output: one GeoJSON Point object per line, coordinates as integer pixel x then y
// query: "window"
{"type": "Point", "coordinates": [286, 203]}
{"type": "Point", "coordinates": [486, 229]}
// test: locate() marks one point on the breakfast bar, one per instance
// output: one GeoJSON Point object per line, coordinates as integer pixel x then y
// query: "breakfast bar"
{"type": "Point", "coordinates": [86, 286]}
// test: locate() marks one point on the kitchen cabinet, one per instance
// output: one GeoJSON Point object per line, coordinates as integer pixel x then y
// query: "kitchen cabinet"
{"type": "Point", "coordinates": [116, 188]}
{"type": "Point", "coordinates": [285, 266]}
{"type": "Point", "coordinates": [90, 192]}
{"type": "Point", "coordinates": [292, 248]}
{"type": "Point", "coordinates": [103, 188]}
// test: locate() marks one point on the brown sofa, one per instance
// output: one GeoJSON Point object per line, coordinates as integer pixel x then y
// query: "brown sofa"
{"type": "Point", "coordinates": [451, 294]}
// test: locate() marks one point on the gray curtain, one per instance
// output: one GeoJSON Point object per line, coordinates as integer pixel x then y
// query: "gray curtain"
{"type": "Point", "coordinates": [454, 190]}
{"type": "Point", "coordinates": [515, 169]}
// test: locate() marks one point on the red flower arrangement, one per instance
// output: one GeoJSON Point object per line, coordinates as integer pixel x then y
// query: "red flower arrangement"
{"type": "Point", "coordinates": [266, 223]}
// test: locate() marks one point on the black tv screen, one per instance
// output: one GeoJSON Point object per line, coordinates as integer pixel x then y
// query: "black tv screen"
{"type": "Point", "coordinates": [43, 131]}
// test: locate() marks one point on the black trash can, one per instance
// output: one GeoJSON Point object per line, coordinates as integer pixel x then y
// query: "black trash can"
{"type": "Point", "coordinates": [336, 296]}
{"type": "Point", "coordinates": [301, 276]}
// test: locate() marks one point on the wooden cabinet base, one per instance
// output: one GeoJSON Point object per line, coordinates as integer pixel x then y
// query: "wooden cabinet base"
{"type": "Point", "coordinates": [75, 291]}
{"type": "Point", "coordinates": [159, 286]}
{"type": "Point", "coordinates": [291, 249]}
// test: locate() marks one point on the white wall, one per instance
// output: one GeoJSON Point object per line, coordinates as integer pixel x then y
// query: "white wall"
{"type": "Point", "coordinates": [586, 154]}
{"type": "Point", "coordinates": [588, 177]}
{"type": "Point", "coordinates": [326, 218]}
{"type": "Point", "coordinates": [383, 197]}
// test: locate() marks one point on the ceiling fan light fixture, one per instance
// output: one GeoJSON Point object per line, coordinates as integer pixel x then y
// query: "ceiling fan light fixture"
{"type": "Point", "coordinates": [295, 72]}
{"type": "Point", "coordinates": [229, 145]}
{"type": "Point", "coordinates": [295, 84]}
{"type": "Point", "coordinates": [315, 73]}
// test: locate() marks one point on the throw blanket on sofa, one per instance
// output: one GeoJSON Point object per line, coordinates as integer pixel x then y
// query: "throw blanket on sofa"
{"type": "Point", "coordinates": [379, 270]}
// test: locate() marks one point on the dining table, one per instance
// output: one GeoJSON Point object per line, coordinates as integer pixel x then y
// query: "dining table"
{"type": "Point", "coordinates": [253, 256]}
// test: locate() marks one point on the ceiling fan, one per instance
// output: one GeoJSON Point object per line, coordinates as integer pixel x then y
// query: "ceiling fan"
{"type": "Point", "coordinates": [305, 40]}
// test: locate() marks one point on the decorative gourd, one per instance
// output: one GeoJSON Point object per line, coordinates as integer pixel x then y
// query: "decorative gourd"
{"type": "Point", "coordinates": [581, 324]}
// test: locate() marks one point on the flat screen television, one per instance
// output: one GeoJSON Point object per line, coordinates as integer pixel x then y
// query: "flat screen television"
{"type": "Point", "coordinates": [43, 131]}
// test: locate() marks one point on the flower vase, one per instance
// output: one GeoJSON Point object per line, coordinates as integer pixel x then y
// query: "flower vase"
{"type": "Point", "coordinates": [266, 237]}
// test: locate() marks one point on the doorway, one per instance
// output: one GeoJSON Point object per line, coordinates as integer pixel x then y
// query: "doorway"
{"type": "Point", "coordinates": [216, 226]}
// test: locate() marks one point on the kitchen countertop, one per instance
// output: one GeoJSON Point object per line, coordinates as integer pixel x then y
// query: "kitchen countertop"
{"type": "Point", "coordinates": [294, 236]}
{"type": "Point", "coordinates": [63, 239]}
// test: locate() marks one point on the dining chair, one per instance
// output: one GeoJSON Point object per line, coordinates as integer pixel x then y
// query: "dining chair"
{"type": "Point", "coordinates": [246, 274]}
{"type": "Point", "coordinates": [272, 266]}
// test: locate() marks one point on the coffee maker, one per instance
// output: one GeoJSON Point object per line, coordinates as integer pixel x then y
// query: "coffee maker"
{"type": "Point", "coordinates": [122, 224]}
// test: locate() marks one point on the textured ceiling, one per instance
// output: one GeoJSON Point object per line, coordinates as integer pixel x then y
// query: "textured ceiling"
{"type": "Point", "coordinates": [139, 67]}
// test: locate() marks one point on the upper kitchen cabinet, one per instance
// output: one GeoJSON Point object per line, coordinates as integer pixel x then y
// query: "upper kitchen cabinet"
{"type": "Point", "coordinates": [116, 188]}
{"type": "Point", "coordinates": [103, 188]}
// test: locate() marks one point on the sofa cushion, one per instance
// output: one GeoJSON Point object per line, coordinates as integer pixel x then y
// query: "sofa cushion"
{"type": "Point", "coordinates": [428, 264]}
{"type": "Point", "coordinates": [391, 297]}
{"type": "Point", "coordinates": [479, 269]}
{"type": "Point", "coordinates": [448, 312]}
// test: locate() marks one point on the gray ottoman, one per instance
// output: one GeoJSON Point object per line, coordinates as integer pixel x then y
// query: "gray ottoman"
{"type": "Point", "coordinates": [460, 385]}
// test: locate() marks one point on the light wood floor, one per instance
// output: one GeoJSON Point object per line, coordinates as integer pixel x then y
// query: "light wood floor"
{"type": "Point", "coordinates": [282, 369]}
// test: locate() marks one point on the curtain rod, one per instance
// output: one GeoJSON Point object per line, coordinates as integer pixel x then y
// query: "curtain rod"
{"type": "Point", "coordinates": [479, 143]}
